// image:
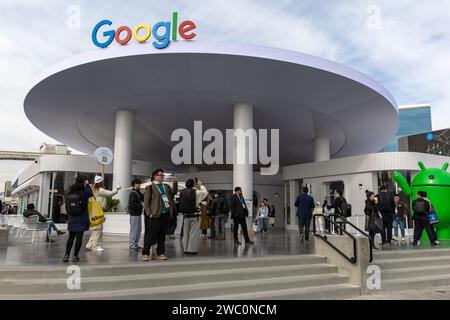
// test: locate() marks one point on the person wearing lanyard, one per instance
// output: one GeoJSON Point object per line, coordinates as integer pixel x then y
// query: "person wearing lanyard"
{"type": "Point", "coordinates": [158, 206]}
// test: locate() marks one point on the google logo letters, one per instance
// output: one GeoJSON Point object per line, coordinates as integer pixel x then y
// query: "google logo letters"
{"type": "Point", "coordinates": [142, 31]}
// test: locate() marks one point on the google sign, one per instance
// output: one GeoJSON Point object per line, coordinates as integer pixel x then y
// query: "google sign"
{"type": "Point", "coordinates": [142, 32]}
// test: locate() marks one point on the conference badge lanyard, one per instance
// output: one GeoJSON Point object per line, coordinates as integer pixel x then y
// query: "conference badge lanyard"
{"type": "Point", "coordinates": [242, 202]}
{"type": "Point", "coordinates": [164, 197]}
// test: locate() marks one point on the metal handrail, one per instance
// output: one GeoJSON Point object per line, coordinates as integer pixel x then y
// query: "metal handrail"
{"type": "Point", "coordinates": [337, 225]}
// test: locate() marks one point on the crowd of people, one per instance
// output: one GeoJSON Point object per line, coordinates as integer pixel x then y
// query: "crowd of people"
{"type": "Point", "coordinates": [386, 216]}
{"type": "Point", "coordinates": [386, 212]}
{"type": "Point", "coordinates": [161, 203]}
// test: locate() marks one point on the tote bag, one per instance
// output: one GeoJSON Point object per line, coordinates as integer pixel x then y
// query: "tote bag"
{"type": "Point", "coordinates": [96, 214]}
{"type": "Point", "coordinates": [375, 224]}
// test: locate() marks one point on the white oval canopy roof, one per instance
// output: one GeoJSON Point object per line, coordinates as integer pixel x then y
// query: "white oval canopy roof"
{"type": "Point", "coordinates": [304, 96]}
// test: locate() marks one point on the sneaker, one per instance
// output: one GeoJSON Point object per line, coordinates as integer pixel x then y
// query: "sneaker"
{"type": "Point", "coordinates": [133, 248]}
{"type": "Point", "coordinates": [415, 243]}
{"type": "Point", "coordinates": [75, 259]}
{"type": "Point", "coordinates": [403, 239]}
{"type": "Point", "coordinates": [437, 242]}
{"type": "Point", "coordinates": [163, 257]}
{"type": "Point", "coordinates": [99, 249]}
{"type": "Point", "coordinates": [395, 238]}
{"type": "Point", "coordinates": [145, 258]}
{"type": "Point", "coordinates": [49, 240]}
{"type": "Point", "coordinates": [60, 233]}
{"type": "Point", "coordinates": [434, 244]}
{"type": "Point", "coordinates": [237, 242]}
{"type": "Point", "coordinates": [89, 247]}
{"type": "Point", "coordinates": [66, 258]}
{"type": "Point", "coordinates": [249, 242]}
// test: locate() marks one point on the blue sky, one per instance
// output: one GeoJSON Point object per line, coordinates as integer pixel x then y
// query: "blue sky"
{"type": "Point", "coordinates": [402, 44]}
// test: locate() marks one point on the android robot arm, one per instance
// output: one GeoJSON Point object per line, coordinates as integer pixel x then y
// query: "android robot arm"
{"type": "Point", "coordinates": [402, 183]}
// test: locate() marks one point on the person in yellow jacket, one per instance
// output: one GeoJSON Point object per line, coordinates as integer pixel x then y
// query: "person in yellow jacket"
{"type": "Point", "coordinates": [100, 194]}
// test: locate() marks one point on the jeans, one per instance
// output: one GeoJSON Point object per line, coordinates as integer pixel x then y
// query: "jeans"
{"type": "Point", "coordinates": [191, 233]}
{"type": "Point", "coordinates": [263, 222]}
{"type": "Point", "coordinates": [219, 222]}
{"type": "Point", "coordinates": [51, 225]}
{"type": "Point", "coordinates": [135, 230]}
{"type": "Point", "coordinates": [399, 223]}
{"type": "Point", "coordinates": [303, 227]}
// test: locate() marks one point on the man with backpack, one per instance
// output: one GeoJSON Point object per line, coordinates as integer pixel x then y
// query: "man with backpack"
{"type": "Point", "coordinates": [190, 199]}
{"type": "Point", "coordinates": [219, 207]}
{"type": "Point", "coordinates": [421, 208]}
{"type": "Point", "coordinates": [386, 206]}
{"type": "Point", "coordinates": [342, 208]}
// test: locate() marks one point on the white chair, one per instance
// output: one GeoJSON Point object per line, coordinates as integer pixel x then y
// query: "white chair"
{"type": "Point", "coordinates": [20, 227]}
{"type": "Point", "coordinates": [12, 222]}
{"type": "Point", "coordinates": [3, 219]}
{"type": "Point", "coordinates": [33, 225]}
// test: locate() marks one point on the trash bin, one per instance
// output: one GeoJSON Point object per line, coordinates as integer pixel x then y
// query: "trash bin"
{"type": "Point", "coordinates": [4, 236]}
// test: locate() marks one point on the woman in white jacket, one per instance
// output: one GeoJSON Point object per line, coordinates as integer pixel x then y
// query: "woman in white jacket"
{"type": "Point", "coordinates": [100, 194]}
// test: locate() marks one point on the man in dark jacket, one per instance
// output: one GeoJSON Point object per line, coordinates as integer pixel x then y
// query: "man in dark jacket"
{"type": "Point", "coordinates": [220, 209]}
{"type": "Point", "coordinates": [386, 206]}
{"type": "Point", "coordinates": [239, 212]}
{"type": "Point", "coordinates": [421, 209]}
{"type": "Point", "coordinates": [305, 205]}
{"type": "Point", "coordinates": [31, 211]}
{"type": "Point", "coordinates": [135, 208]}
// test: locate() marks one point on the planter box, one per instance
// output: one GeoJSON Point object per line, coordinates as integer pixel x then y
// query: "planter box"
{"type": "Point", "coordinates": [119, 223]}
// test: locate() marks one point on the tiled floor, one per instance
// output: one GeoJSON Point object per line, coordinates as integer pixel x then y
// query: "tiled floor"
{"type": "Point", "coordinates": [279, 242]}
{"type": "Point", "coordinates": [116, 249]}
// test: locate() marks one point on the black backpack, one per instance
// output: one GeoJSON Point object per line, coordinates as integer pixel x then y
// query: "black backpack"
{"type": "Point", "coordinates": [346, 208]}
{"type": "Point", "coordinates": [188, 201]}
{"type": "Point", "coordinates": [384, 202]}
{"type": "Point", "coordinates": [420, 208]}
{"type": "Point", "coordinates": [220, 206]}
{"type": "Point", "coordinates": [74, 203]}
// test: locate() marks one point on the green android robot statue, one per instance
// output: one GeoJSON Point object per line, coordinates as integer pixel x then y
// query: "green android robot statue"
{"type": "Point", "coordinates": [436, 183]}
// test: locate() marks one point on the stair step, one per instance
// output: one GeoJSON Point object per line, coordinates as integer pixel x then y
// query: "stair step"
{"type": "Point", "coordinates": [336, 291]}
{"type": "Point", "coordinates": [180, 265]}
{"type": "Point", "coordinates": [412, 253]}
{"type": "Point", "coordinates": [393, 263]}
{"type": "Point", "coordinates": [401, 273]}
{"type": "Point", "coordinates": [201, 290]}
{"type": "Point", "coordinates": [415, 282]}
{"type": "Point", "coordinates": [162, 279]}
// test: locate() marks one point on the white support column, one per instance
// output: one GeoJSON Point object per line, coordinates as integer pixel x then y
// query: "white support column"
{"type": "Point", "coordinates": [123, 154]}
{"type": "Point", "coordinates": [321, 149]}
{"type": "Point", "coordinates": [243, 173]}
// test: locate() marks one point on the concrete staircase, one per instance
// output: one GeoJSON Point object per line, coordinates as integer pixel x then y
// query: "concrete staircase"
{"type": "Point", "coordinates": [271, 277]}
{"type": "Point", "coordinates": [413, 269]}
